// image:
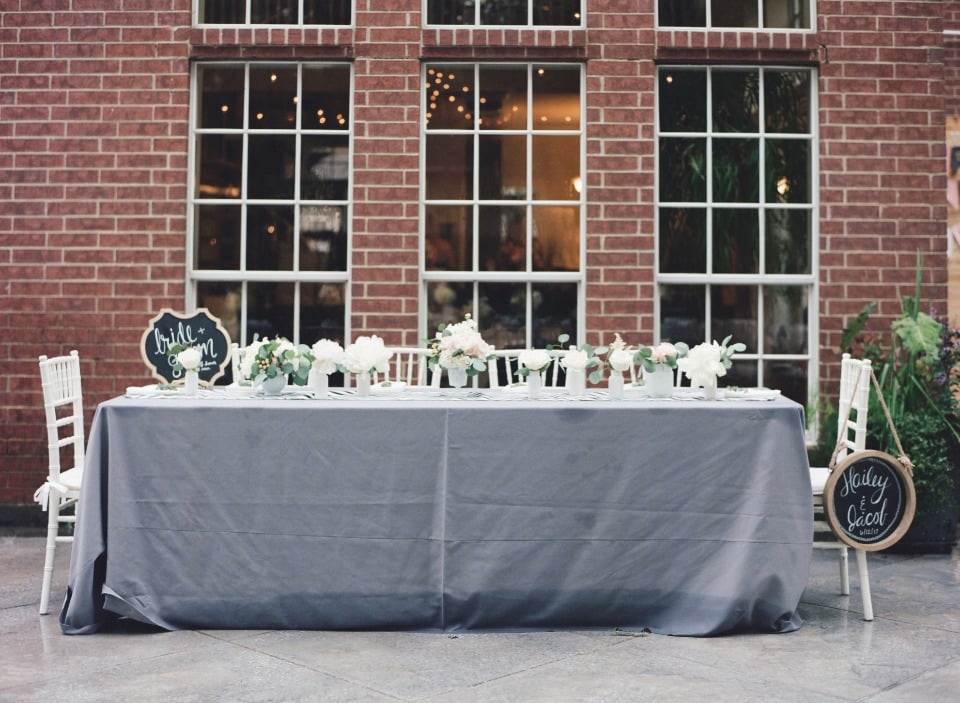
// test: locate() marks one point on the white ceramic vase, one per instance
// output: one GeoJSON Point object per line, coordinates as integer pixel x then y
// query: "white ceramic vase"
{"type": "Point", "coordinates": [534, 383]}
{"type": "Point", "coordinates": [457, 377]}
{"type": "Point", "coordinates": [320, 382]}
{"type": "Point", "coordinates": [275, 385]}
{"type": "Point", "coordinates": [191, 382]}
{"type": "Point", "coordinates": [710, 390]}
{"type": "Point", "coordinates": [615, 385]}
{"type": "Point", "coordinates": [659, 382]}
{"type": "Point", "coordinates": [363, 384]}
{"type": "Point", "coordinates": [576, 382]}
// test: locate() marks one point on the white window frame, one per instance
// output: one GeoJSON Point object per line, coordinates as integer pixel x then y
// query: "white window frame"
{"type": "Point", "coordinates": [811, 6]}
{"type": "Point", "coordinates": [195, 18]}
{"type": "Point", "coordinates": [476, 276]}
{"type": "Point", "coordinates": [760, 279]}
{"type": "Point", "coordinates": [242, 275]}
{"type": "Point", "coordinates": [529, 23]}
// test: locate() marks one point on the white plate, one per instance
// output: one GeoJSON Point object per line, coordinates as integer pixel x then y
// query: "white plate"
{"type": "Point", "coordinates": [387, 387]}
{"type": "Point", "coordinates": [750, 393]}
{"type": "Point", "coordinates": [152, 389]}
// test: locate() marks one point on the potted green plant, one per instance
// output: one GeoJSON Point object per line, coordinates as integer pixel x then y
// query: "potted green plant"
{"type": "Point", "coordinates": [914, 365]}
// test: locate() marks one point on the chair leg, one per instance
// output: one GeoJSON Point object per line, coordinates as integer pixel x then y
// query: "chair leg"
{"type": "Point", "coordinates": [844, 572]}
{"type": "Point", "coordinates": [864, 584]}
{"type": "Point", "coordinates": [53, 529]}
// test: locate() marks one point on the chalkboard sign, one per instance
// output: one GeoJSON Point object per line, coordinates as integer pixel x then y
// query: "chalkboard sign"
{"type": "Point", "coordinates": [201, 330]}
{"type": "Point", "coordinates": [869, 500]}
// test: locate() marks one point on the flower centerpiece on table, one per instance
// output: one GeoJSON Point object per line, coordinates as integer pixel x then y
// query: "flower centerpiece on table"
{"type": "Point", "coordinates": [579, 359]}
{"type": "Point", "coordinates": [365, 356]}
{"type": "Point", "coordinates": [664, 354]}
{"type": "Point", "coordinates": [619, 356]}
{"type": "Point", "coordinates": [705, 363]}
{"type": "Point", "coordinates": [187, 359]}
{"type": "Point", "coordinates": [535, 360]}
{"type": "Point", "coordinates": [268, 358]}
{"type": "Point", "coordinates": [460, 346]}
{"type": "Point", "coordinates": [327, 356]}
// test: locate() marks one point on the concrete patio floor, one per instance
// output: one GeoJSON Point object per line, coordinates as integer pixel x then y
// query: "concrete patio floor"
{"type": "Point", "coordinates": [910, 652]}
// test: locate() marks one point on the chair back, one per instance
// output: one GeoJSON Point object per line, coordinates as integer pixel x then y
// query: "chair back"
{"type": "Point", "coordinates": [502, 370]}
{"type": "Point", "coordinates": [63, 408]}
{"type": "Point", "coordinates": [853, 405]}
{"type": "Point", "coordinates": [409, 365]}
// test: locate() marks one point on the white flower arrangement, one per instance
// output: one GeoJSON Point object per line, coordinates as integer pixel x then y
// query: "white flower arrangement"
{"type": "Point", "coordinates": [580, 359]}
{"type": "Point", "coordinates": [705, 363]}
{"type": "Point", "coordinates": [460, 346]}
{"type": "Point", "coordinates": [619, 356]}
{"type": "Point", "coordinates": [664, 354]}
{"type": "Point", "coordinates": [327, 356]}
{"type": "Point", "coordinates": [190, 358]}
{"type": "Point", "coordinates": [366, 355]}
{"type": "Point", "coordinates": [535, 360]}
{"type": "Point", "coordinates": [268, 358]}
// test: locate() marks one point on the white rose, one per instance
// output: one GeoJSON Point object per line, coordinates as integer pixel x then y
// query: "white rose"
{"type": "Point", "coordinates": [534, 359]}
{"type": "Point", "coordinates": [327, 355]}
{"type": "Point", "coordinates": [704, 364]}
{"type": "Point", "coordinates": [248, 359]}
{"type": "Point", "coordinates": [190, 358]}
{"type": "Point", "coordinates": [575, 360]}
{"type": "Point", "coordinates": [620, 360]}
{"type": "Point", "coordinates": [367, 354]}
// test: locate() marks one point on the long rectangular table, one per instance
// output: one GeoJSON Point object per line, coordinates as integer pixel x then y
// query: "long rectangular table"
{"type": "Point", "coordinates": [443, 513]}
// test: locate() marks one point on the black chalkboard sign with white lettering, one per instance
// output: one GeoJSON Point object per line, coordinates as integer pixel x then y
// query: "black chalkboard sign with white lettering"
{"type": "Point", "coordinates": [201, 330]}
{"type": "Point", "coordinates": [869, 500]}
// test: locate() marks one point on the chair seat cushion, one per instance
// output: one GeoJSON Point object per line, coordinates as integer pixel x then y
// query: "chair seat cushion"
{"type": "Point", "coordinates": [818, 479]}
{"type": "Point", "coordinates": [72, 478]}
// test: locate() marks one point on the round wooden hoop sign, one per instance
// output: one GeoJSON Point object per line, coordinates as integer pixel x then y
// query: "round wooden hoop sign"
{"type": "Point", "coordinates": [869, 500]}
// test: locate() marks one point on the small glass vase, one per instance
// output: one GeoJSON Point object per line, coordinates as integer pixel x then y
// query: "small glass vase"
{"type": "Point", "coordinates": [576, 382]}
{"type": "Point", "coordinates": [363, 384]}
{"type": "Point", "coordinates": [191, 383]}
{"type": "Point", "coordinates": [275, 385]}
{"type": "Point", "coordinates": [659, 382]}
{"type": "Point", "coordinates": [534, 384]}
{"type": "Point", "coordinates": [710, 390]}
{"type": "Point", "coordinates": [457, 377]}
{"type": "Point", "coordinates": [615, 385]}
{"type": "Point", "coordinates": [320, 382]}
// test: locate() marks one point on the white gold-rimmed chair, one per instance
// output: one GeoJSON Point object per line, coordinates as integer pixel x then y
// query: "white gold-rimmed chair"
{"type": "Point", "coordinates": [63, 411]}
{"type": "Point", "coordinates": [852, 412]}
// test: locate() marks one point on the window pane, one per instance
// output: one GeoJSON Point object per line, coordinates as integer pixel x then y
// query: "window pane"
{"type": "Point", "coordinates": [683, 240]}
{"type": "Point", "coordinates": [743, 373]}
{"type": "Point", "coordinates": [503, 314]}
{"type": "Point", "coordinates": [221, 97]}
{"type": "Point", "coordinates": [273, 12]}
{"type": "Point", "coordinates": [788, 171]}
{"type": "Point", "coordinates": [503, 238]}
{"type": "Point", "coordinates": [503, 166]}
{"type": "Point", "coordinates": [269, 238]}
{"type": "Point", "coordinates": [683, 314]}
{"type": "Point", "coordinates": [562, 13]}
{"type": "Point", "coordinates": [270, 172]}
{"type": "Point", "coordinates": [785, 319]}
{"type": "Point", "coordinates": [270, 310]}
{"type": "Point", "coordinates": [736, 101]}
{"type": "Point", "coordinates": [787, 101]}
{"type": "Point", "coordinates": [449, 93]}
{"type": "Point", "coordinates": [556, 166]}
{"type": "Point", "coordinates": [556, 98]}
{"type": "Point", "coordinates": [451, 11]}
{"type": "Point", "coordinates": [223, 300]}
{"type": "Point", "coordinates": [325, 173]}
{"type": "Point", "coordinates": [790, 377]}
{"type": "Point", "coordinates": [273, 98]}
{"type": "Point", "coordinates": [323, 238]}
{"type": "Point", "coordinates": [219, 165]}
{"type": "Point", "coordinates": [788, 241]}
{"type": "Point", "coordinates": [326, 11]}
{"type": "Point", "coordinates": [503, 98]}
{"type": "Point", "coordinates": [736, 240]}
{"type": "Point", "coordinates": [736, 170]}
{"type": "Point", "coordinates": [503, 12]}
{"type": "Point", "coordinates": [683, 100]}
{"type": "Point", "coordinates": [734, 312]}
{"type": "Point", "coordinates": [217, 237]}
{"type": "Point", "coordinates": [786, 14]}
{"type": "Point", "coordinates": [449, 238]}
{"type": "Point", "coordinates": [734, 13]}
{"type": "Point", "coordinates": [556, 238]}
{"type": "Point", "coordinates": [449, 168]}
{"type": "Point", "coordinates": [223, 11]}
{"type": "Point", "coordinates": [682, 13]}
{"type": "Point", "coordinates": [448, 302]}
{"type": "Point", "coordinates": [322, 312]}
{"type": "Point", "coordinates": [683, 170]}
{"type": "Point", "coordinates": [554, 312]}
{"type": "Point", "coordinates": [325, 99]}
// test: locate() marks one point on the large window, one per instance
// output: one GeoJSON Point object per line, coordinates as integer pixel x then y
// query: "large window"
{"type": "Point", "coordinates": [308, 12]}
{"type": "Point", "coordinates": [504, 12]}
{"type": "Point", "coordinates": [739, 14]}
{"type": "Point", "coordinates": [502, 204]}
{"type": "Point", "coordinates": [269, 197]}
{"type": "Point", "coordinates": [736, 217]}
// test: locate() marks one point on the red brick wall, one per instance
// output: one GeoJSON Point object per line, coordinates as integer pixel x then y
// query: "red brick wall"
{"type": "Point", "coordinates": [94, 137]}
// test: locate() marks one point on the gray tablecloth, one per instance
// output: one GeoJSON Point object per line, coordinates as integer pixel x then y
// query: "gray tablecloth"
{"type": "Point", "coordinates": [684, 517]}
